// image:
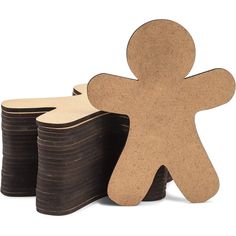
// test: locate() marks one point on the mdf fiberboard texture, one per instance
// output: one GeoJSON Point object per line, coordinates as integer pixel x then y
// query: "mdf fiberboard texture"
{"type": "Point", "coordinates": [161, 105]}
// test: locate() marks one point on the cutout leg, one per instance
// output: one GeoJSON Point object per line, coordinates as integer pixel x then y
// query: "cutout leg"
{"type": "Point", "coordinates": [133, 174]}
{"type": "Point", "coordinates": [194, 174]}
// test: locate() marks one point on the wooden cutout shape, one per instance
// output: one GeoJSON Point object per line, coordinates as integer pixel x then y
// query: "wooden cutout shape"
{"type": "Point", "coordinates": [64, 110]}
{"type": "Point", "coordinates": [161, 106]}
{"type": "Point", "coordinates": [68, 157]}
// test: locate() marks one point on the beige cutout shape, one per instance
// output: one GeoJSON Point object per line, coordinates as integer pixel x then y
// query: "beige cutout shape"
{"type": "Point", "coordinates": [67, 109]}
{"type": "Point", "coordinates": [161, 106]}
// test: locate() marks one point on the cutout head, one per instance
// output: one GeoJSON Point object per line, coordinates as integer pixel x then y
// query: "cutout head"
{"type": "Point", "coordinates": [161, 49]}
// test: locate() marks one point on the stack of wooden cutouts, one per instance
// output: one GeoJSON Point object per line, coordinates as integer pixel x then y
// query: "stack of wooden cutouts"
{"type": "Point", "coordinates": [64, 150]}
{"type": "Point", "coordinates": [70, 152]}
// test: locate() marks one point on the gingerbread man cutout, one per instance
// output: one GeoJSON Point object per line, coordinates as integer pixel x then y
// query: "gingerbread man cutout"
{"type": "Point", "coordinates": [161, 106]}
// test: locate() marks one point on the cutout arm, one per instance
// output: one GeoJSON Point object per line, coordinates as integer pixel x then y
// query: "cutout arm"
{"type": "Point", "coordinates": [109, 92]}
{"type": "Point", "coordinates": [209, 89]}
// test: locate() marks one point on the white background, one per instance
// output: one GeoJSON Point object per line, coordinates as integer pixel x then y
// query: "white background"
{"type": "Point", "coordinates": [47, 47]}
